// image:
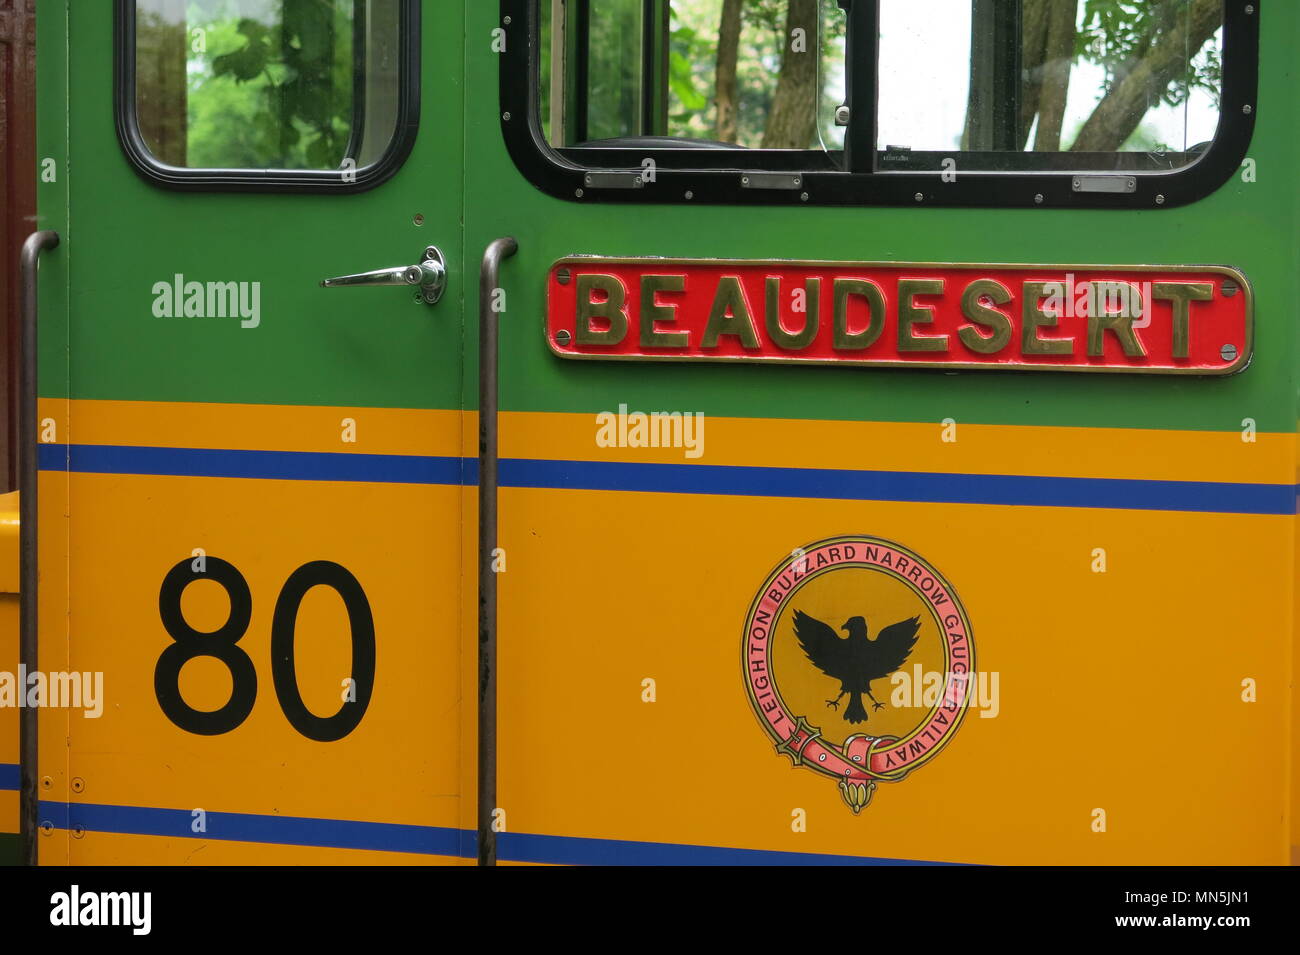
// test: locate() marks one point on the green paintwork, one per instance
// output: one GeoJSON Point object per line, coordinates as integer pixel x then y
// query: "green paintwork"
{"type": "Point", "coordinates": [373, 347]}
{"type": "Point", "coordinates": [352, 346]}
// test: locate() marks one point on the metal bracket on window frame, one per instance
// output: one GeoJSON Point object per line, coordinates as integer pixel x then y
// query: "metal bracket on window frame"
{"type": "Point", "coordinates": [614, 180]}
{"type": "Point", "coordinates": [771, 180]}
{"type": "Point", "coordinates": [1104, 184]}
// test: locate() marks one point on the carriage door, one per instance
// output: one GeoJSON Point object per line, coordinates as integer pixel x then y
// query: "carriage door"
{"type": "Point", "coordinates": [251, 438]}
{"type": "Point", "coordinates": [849, 340]}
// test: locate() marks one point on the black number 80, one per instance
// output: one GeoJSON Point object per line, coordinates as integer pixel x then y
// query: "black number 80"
{"type": "Point", "coordinates": [222, 644]}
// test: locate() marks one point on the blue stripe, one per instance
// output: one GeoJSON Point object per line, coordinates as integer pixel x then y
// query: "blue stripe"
{"type": "Point", "coordinates": [570, 850]}
{"type": "Point", "coordinates": [423, 840]}
{"type": "Point", "coordinates": [909, 486]}
{"type": "Point", "coordinates": [10, 776]}
{"type": "Point", "coordinates": [272, 465]}
{"type": "Point", "coordinates": [246, 827]}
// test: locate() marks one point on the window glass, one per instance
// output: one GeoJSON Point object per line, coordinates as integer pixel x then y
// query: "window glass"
{"type": "Point", "coordinates": [1059, 84]}
{"type": "Point", "coordinates": [745, 73]}
{"type": "Point", "coordinates": [614, 76]}
{"type": "Point", "coordinates": [267, 84]}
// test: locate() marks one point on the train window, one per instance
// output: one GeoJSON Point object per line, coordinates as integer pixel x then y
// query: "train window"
{"type": "Point", "coordinates": [1117, 86]}
{"type": "Point", "coordinates": [267, 92]}
{"type": "Point", "coordinates": [957, 102]}
{"type": "Point", "coordinates": [692, 73]}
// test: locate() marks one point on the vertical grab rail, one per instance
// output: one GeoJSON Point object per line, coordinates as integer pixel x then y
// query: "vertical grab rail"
{"type": "Point", "coordinates": [29, 797]}
{"type": "Point", "coordinates": [488, 283]}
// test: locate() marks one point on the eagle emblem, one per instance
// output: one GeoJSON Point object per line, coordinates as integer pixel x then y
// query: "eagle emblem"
{"type": "Point", "coordinates": [902, 620]}
{"type": "Point", "coordinates": [855, 660]}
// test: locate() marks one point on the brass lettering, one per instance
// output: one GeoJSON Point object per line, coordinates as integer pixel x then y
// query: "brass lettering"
{"type": "Point", "coordinates": [909, 314]}
{"type": "Point", "coordinates": [730, 315]}
{"type": "Point", "coordinates": [612, 310]}
{"type": "Point", "coordinates": [652, 312]}
{"type": "Point", "coordinates": [999, 324]}
{"type": "Point", "coordinates": [1101, 319]}
{"type": "Point", "coordinates": [776, 331]}
{"type": "Point", "coordinates": [843, 289]}
{"type": "Point", "coordinates": [1181, 295]}
{"type": "Point", "coordinates": [1035, 318]}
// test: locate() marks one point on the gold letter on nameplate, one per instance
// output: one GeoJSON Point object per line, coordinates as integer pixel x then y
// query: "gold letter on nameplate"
{"type": "Point", "coordinates": [1128, 306]}
{"type": "Point", "coordinates": [739, 323]}
{"type": "Point", "coordinates": [612, 310]}
{"type": "Point", "coordinates": [776, 331]}
{"type": "Point", "coordinates": [652, 311]}
{"type": "Point", "coordinates": [1035, 318]}
{"type": "Point", "coordinates": [843, 338]}
{"type": "Point", "coordinates": [1181, 295]}
{"type": "Point", "coordinates": [996, 322]}
{"type": "Point", "coordinates": [909, 314]}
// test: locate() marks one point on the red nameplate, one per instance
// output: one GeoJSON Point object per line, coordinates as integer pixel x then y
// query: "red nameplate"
{"type": "Point", "coordinates": [1158, 319]}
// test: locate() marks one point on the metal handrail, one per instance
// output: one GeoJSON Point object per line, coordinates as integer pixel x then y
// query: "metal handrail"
{"type": "Point", "coordinates": [29, 796]}
{"type": "Point", "coordinates": [488, 283]}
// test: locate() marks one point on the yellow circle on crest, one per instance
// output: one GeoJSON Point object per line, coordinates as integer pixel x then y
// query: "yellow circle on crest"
{"type": "Point", "coordinates": [834, 596]}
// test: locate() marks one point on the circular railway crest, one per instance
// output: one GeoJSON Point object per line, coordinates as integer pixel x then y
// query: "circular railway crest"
{"type": "Point", "coordinates": [858, 659]}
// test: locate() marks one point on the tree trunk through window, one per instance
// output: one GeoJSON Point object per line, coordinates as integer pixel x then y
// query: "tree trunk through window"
{"type": "Point", "coordinates": [1121, 110]}
{"type": "Point", "coordinates": [728, 57]}
{"type": "Point", "coordinates": [792, 122]}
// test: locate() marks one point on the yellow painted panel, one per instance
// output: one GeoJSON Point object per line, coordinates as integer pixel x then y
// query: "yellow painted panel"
{"type": "Point", "coordinates": [400, 764]}
{"type": "Point", "coordinates": [889, 446]}
{"type": "Point", "coordinates": [1119, 691]}
{"type": "Point", "coordinates": [9, 807]}
{"type": "Point", "coordinates": [9, 649]}
{"type": "Point", "coordinates": [886, 446]}
{"type": "Point", "coordinates": [55, 726]}
{"type": "Point", "coordinates": [175, 424]}
{"type": "Point", "coordinates": [110, 848]}
{"type": "Point", "coordinates": [9, 563]}
{"type": "Point", "coordinates": [8, 715]}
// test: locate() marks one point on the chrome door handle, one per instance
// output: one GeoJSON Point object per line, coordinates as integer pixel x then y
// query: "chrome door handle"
{"type": "Point", "coordinates": [429, 274]}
